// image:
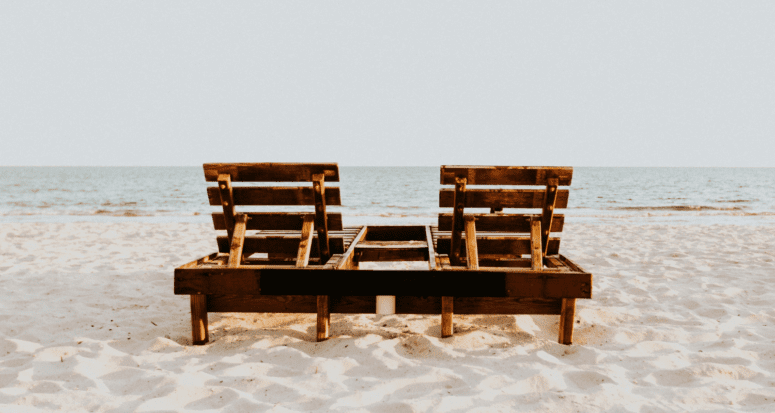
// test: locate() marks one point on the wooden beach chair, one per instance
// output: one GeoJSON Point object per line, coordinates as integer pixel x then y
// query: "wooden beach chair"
{"type": "Point", "coordinates": [281, 239]}
{"type": "Point", "coordinates": [519, 243]}
{"type": "Point", "coordinates": [468, 272]}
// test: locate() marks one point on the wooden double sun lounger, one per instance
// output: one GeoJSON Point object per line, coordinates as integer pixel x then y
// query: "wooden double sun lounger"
{"type": "Point", "coordinates": [487, 262]}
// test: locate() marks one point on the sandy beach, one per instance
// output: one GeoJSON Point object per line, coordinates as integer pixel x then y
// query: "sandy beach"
{"type": "Point", "coordinates": [681, 320]}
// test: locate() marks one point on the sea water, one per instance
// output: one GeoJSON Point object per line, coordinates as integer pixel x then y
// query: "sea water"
{"type": "Point", "coordinates": [388, 195]}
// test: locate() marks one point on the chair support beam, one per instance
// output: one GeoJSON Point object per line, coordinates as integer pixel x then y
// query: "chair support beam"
{"type": "Point", "coordinates": [199, 331]}
{"type": "Point", "coordinates": [321, 221]}
{"type": "Point", "coordinates": [567, 315]}
{"type": "Point", "coordinates": [305, 244]}
{"type": "Point", "coordinates": [536, 253]}
{"type": "Point", "coordinates": [457, 221]}
{"type": "Point", "coordinates": [227, 201]}
{"type": "Point", "coordinates": [547, 214]}
{"type": "Point", "coordinates": [237, 241]}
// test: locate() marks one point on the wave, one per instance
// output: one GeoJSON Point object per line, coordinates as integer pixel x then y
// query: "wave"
{"type": "Point", "coordinates": [103, 212]}
{"type": "Point", "coordinates": [675, 214]}
{"type": "Point", "coordinates": [678, 208]}
{"type": "Point", "coordinates": [118, 204]}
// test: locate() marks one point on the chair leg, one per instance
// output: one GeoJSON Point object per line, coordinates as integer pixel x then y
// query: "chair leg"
{"type": "Point", "coordinates": [567, 314]}
{"type": "Point", "coordinates": [446, 317]}
{"type": "Point", "coordinates": [324, 318]}
{"type": "Point", "coordinates": [200, 335]}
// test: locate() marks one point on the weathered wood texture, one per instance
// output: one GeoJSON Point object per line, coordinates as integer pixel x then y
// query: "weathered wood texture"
{"type": "Point", "coordinates": [432, 257]}
{"type": "Point", "coordinates": [503, 198]}
{"type": "Point", "coordinates": [237, 241]}
{"type": "Point", "coordinates": [347, 261]}
{"type": "Point", "coordinates": [505, 175]}
{"type": "Point", "coordinates": [536, 255]}
{"type": "Point", "coordinates": [459, 204]}
{"type": "Point", "coordinates": [501, 222]}
{"type": "Point", "coordinates": [283, 244]}
{"type": "Point", "coordinates": [547, 214]}
{"type": "Point", "coordinates": [486, 282]}
{"type": "Point", "coordinates": [271, 172]}
{"type": "Point", "coordinates": [199, 331]}
{"type": "Point", "coordinates": [226, 199]}
{"type": "Point", "coordinates": [506, 263]}
{"type": "Point", "coordinates": [279, 221]}
{"type": "Point", "coordinates": [447, 310]}
{"type": "Point", "coordinates": [391, 251]}
{"type": "Point", "coordinates": [305, 244]}
{"type": "Point", "coordinates": [274, 195]}
{"type": "Point", "coordinates": [244, 303]}
{"type": "Point", "coordinates": [321, 223]}
{"type": "Point", "coordinates": [567, 314]}
{"type": "Point", "coordinates": [500, 245]}
{"type": "Point", "coordinates": [323, 318]}
{"type": "Point", "coordinates": [201, 261]}
{"type": "Point", "coordinates": [472, 250]}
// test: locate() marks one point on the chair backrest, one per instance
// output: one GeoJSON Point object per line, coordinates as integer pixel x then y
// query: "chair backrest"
{"type": "Point", "coordinates": [545, 200]}
{"type": "Point", "coordinates": [281, 223]}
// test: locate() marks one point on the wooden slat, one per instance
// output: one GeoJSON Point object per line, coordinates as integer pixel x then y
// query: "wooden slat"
{"type": "Point", "coordinates": [547, 215]}
{"type": "Point", "coordinates": [367, 251]}
{"type": "Point", "coordinates": [503, 198]}
{"type": "Point", "coordinates": [278, 261]}
{"type": "Point", "coordinates": [536, 253]}
{"type": "Point", "coordinates": [459, 204]}
{"type": "Point", "coordinates": [200, 261]}
{"type": "Point", "coordinates": [506, 175]}
{"type": "Point", "coordinates": [553, 262]}
{"type": "Point", "coordinates": [501, 222]}
{"type": "Point", "coordinates": [280, 195]}
{"type": "Point", "coordinates": [348, 258]}
{"type": "Point", "coordinates": [272, 172]}
{"type": "Point", "coordinates": [485, 282]}
{"type": "Point", "coordinates": [396, 245]}
{"type": "Point", "coordinates": [367, 304]}
{"type": "Point", "coordinates": [507, 246]}
{"type": "Point", "coordinates": [279, 221]}
{"type": "Point", "coordinates": [288, 244]}
{"type": "Point", "coordinates": [237, 241]}
{"type": "Point", "coordinates": [305, 244]}
{"type": "Point", "coordinates": [226, 200]}
{"type": "Point", "coordinates": [570, 264]}
{"type": "Point", "coordinates": [391, 251]}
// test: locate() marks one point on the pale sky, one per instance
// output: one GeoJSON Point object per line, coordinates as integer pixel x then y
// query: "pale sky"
{"type": "Point", "coordinates": [619, 83]}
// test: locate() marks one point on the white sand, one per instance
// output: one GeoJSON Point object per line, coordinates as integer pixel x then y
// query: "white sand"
{"type": "Point", "coordinates": [682, 320]}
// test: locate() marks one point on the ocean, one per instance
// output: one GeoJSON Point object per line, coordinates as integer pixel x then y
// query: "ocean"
{"type": "Point", "coordinates": [388, 195]}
